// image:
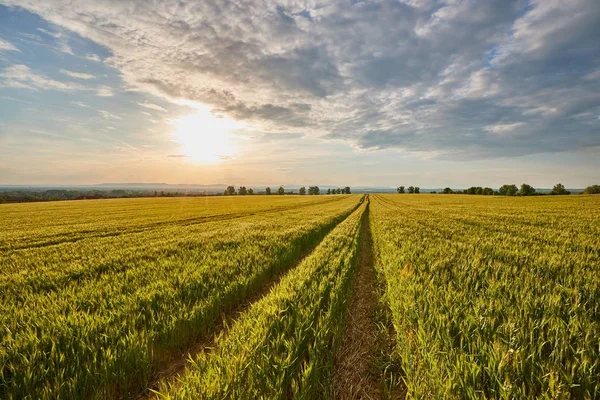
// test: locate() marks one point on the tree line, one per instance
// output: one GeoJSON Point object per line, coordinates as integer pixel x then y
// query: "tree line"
{"type": "Point", "coordinates": [513, 190]}
{"type": "Point", "coordinates": [410, 190]}
{"type": "Point", "coordinates": [29, 196]}
{"type": "Point", "coordinates": [312, 190]}
{"type": "Point", "coordinates": [504, 190]}
{"type": "Point", "coordinates": [20, 196]}
{"type": "Point", "coordinates": [345, 190]}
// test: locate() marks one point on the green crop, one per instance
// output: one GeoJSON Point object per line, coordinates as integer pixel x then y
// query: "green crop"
{"type": "Point", "coordinates": [490, 297]}
{"type": "Point", "coordinates": [95, 296]}
{"type": "Point", "coordinates": [282, 347]}
{"type": "Point", "coordinates": [493, 297]}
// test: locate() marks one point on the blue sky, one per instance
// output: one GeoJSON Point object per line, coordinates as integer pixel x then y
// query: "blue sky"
{"type": "Point", "coordinates": [422, 92]}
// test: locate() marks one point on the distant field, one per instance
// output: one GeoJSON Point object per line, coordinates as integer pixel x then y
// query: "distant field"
{"type": "Point", "coordinates": [477, 297]}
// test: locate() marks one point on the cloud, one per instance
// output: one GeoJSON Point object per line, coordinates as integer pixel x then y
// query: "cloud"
{"type": "Point", "coordinates": [104, 91]}
{"type": "Point", "coordinates": [504, 128]}
{"type": "Point", "coordinates": [65, 48]}
{"type": "Point", "coordinates": [7, 46]}
{"type": "Point", "coordinates": [21, 76]}
{"type": "Point", "coordinates": [56, 35]}
{"type": "Point", "coordinates": [92, 57]}
{"type": "Point", "coordinates": [152, 106]}
{"type": "Point", "coordinates": [451, 79]}
{"type": "Point", "coordinates": [78, 75]}
{"type": "Point", "coordinates": [110, 116]}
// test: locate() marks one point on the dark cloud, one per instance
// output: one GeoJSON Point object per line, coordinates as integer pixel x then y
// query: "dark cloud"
{"type": "Point", "coordinates": [452, 79]}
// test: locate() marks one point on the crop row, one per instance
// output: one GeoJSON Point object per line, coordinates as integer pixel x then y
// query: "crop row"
{"type": "Point", "coordinates": [98, 316]}
{"type": "Point", "coordinates": [32, 225]}
{"type": "Point", "coordinates": [496, 298]}
{"type": "Point", "coordinates": [284, 346]}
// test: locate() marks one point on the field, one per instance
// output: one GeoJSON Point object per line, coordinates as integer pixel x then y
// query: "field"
{"type": "Point", "coordinates": [493, 297]}
{"type": "Point", "coordinates": [423, 296]}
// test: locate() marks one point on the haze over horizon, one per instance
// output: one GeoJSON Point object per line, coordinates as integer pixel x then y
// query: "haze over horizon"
{"type": "Point", "coordinates": [360, 93]}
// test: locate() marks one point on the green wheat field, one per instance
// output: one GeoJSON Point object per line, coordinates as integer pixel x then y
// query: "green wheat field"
{"type": "Point", "coordinates": [248, 296]}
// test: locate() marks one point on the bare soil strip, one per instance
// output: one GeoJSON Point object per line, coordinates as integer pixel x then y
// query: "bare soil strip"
{"type": "Point", "coordinates": [176, 367]}
{"type": "Point", "coordinates": [357, 374]}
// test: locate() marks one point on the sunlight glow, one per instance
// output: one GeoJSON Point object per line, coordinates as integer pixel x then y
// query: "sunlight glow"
{"type": "Point", "coordinates": [205, 137]}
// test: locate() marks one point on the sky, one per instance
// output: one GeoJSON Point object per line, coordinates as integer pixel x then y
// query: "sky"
{"type": "Point", "coordinates": [373, 93]}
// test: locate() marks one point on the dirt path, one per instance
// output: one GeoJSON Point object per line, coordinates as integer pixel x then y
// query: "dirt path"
{"type": "Point", "coordinates": [357, 375]}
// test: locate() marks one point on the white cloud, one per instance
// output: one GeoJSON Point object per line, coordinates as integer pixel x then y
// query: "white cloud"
{"type": "Point", "coordinates": [78, 75]}
{"type": "Point", "coordinates": [504, 128]}
{"type": "Point", "coordinates": [56, 35]}
{"type": "Point", "coordinates": [110, 116]}
{"type": "Point", "coordinates": [152, 106]}
{"type": "Point", "coordinates": [593, 76]}
{"type": "Point", "coordinates": [424, 76]}
{"type": "Point", "coordinates": [104, 91]}
{"type": "Point", "coordinates": [65, 48]}
{"type": "Point", "coordinates": [21, 76]}
{"type": "Point", "coordinates": [7, 46]}
{"type": "Point", "coordinates": [92, 57]}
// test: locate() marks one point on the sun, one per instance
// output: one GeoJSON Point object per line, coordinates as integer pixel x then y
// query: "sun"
{"type": "Point", "coordinates": [205, 137]}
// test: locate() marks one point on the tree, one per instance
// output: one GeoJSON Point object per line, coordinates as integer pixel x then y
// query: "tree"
{"type": "Point", "coordinates": [417, 190]}
{"type": "Point", "coordinates": [400, 189]}
{"type": "Point", "coordinates": [411, 189]}
{"type": "Point", "coordinates": [488, 191]}
{"type": "Point", "coordinates": [2, 200]}
{"type": "Point", "coordinates": [281, 191]}
{"type": "Point", "coordinates": [526, 190]}
{"type": "Point", "coordinates": [268, 191]}
{"type": "Point", "coordinates": [328, 191]}
{"type": "Point", "coordinates": [347, 190]}
{"type": "Point", "coordinates": [250, 191]}
{"type": "Point", "coordinates": [594, 189]}
{"type": "Point", "coordinates": [302, 190]}
{"type": "Point", "coordinates": [230, 191]}
{"type": "Point", "coordinates": [338, 191]}
{"type": "Point", "coordinates": [313, 190]}
{"type": "Point", "coordinates": [447, 191]}
{"type": "Point", "coordinates": [508, 190]}
{"type": "Point", "coordinates": [242, 191]}
{"type": "Point", "coordinates": [559, 189]}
